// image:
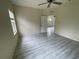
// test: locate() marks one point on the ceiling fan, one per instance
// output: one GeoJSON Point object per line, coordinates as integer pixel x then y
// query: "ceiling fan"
{"type": "Point", "coordinates": [49, 2]}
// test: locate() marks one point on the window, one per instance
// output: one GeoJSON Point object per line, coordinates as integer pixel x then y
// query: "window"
{"type": "Point", "coordinates": [12, 19]}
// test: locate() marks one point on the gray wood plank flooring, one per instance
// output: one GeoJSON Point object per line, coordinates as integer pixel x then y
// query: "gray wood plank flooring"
{"type": "Point", "coordinates": [41, 46]}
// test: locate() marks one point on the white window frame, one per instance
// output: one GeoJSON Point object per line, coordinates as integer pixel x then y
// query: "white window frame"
{"type": "Point", "coordinates": [13, 23]}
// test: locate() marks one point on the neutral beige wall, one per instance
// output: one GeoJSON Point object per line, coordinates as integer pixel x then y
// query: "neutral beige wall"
{"type": "Point", "coordinates": [67, 20]}
{"type": "Point", "coordinates": [7, 39]}
{"type": "Point", "coordinates": [28, 19]}
{"type": "Point", "coordinates": [49, 11]}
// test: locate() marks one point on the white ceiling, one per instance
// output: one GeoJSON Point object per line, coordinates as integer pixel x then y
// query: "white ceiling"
{"type": "Point", "coordinates": [34, 3]}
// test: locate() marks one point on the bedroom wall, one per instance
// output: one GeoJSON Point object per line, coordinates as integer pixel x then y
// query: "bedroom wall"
{"type": "Point", "coordinates": [67, 20]}
{"type": "Point", "coordinates": [28, 19]}
{"type": "Point", "coordinates": [48, 12]}
{"type": "Point", "coordinates": [7, 39]}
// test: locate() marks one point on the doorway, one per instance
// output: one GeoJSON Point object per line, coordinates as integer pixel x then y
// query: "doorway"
{"type": "Point", "coordinates": [51, 24]}
{"type": "Point", "coordinates": [48, 24]}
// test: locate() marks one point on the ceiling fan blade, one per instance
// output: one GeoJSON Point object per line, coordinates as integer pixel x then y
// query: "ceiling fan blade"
{"type": "Point", "coordinates": [48, 5]}
{"type": "Point", "coordinates": [59, 3]}
{"type": "Point", "coordinates": [42, 3]}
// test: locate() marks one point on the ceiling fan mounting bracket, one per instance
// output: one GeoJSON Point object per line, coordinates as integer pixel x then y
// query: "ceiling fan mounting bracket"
{"type": "Point", "coordinates": [50, 0]}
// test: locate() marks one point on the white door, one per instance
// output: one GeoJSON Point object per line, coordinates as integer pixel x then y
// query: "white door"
{"type": "Point", "coordinates": [43, 23]}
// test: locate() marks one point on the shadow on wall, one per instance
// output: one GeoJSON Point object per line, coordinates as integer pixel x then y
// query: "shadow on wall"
{"type": "Point", "coordinates": [28, 19]}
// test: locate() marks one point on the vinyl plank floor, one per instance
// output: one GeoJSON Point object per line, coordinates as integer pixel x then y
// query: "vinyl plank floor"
{"type": "Point", "coordinates": [42, 46]}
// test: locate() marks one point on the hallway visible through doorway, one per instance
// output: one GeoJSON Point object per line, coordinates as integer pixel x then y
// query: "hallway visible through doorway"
{"type": "Point", "coordinates": [51, 24]}
{"type": "Point", "coordinates": [48, 24]}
